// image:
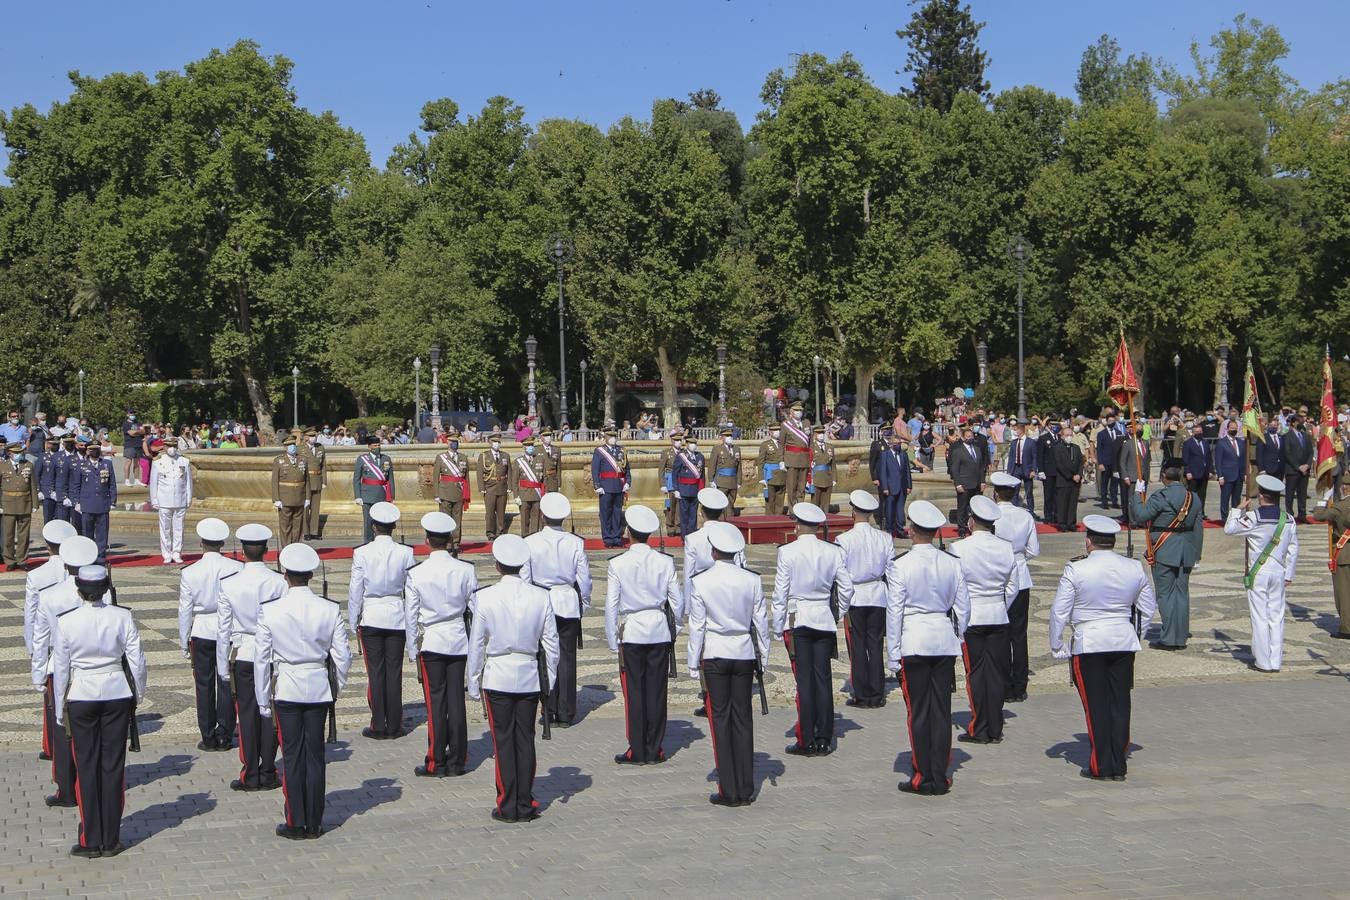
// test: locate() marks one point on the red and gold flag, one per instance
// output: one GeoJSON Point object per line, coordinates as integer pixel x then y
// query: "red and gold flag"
{"type": "Point", "coordinates": [1329, 444]}
{"type": "Point", "coordinates": [1124, 383]}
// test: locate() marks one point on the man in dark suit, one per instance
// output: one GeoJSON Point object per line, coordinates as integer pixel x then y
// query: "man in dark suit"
{"type": "Point", "coordinates": [894, 482]}
{"type": "Point", "coordinates": [1296, 450]}
{"type": "Point", "coordinates": [1068, 480]}
{"type": "Point", "coordinates": [1230, 465]}
{"type": "Point", "coordinates": [879, 446]}
{"type": "Point", "coordinates": [1108, 448]}
{"type": "Point", "coordinates": [1022, 465]}
{"type": "Point", "coordinates": [965, 464]}
{"type": "Point", "coordinates": [1045, 458]}
{"type": "Point", "coordinates": [1134, 461]}
{"type": "Point", "coordinates": [1268, 458]}
{"type": "Point", "coordinates": [1195, 463]}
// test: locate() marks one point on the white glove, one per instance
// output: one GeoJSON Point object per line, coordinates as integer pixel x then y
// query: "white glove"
{"type": "Point", "coordinates": [1326, 498]}
{"type": "Point", "coordinates": [1061, 653]}
{"type": "Point", "coordinates": [40, 688]}
{"type": "Point", "coordinates": [41, 496]}
{"type": "Point", "coordinates": [598, 492]}
{"type": "Point", "coordinates": [306, 504]}
{"type": "Point", "coordinates": [65, 502]}
{"type": "Point", "coordinates": [1040, 476]}
{"type": "Point", "coordinates": [625, 488]}
{"type": "Point", "coordinates": [693, 673]}
{"type": "Point", "coordinates": [1139, 487]}
{"type": "Point", "coordinates": [360, 502]}
{"type": "Point", "coordinates": [265, 712]}
{"type": "Point", "coordinates": [473, 696]}
{"type": "Point", "coordinates": [77, 508]}
{"type": "Point", "coordinates": [277, 504]}
{"type": "Point", "coordinates": [187, 654]}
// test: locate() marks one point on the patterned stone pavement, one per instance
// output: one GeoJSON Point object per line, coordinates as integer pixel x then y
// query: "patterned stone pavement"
{"type": "Point", "coordinates": [1237, 786]}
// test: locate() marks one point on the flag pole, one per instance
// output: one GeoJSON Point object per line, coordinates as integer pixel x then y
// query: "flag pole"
{"type": "Point", "coordinates": [1138, 469]}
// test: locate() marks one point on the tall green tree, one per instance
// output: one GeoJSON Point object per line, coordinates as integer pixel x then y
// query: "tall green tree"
{"type": "Point", "coordinates": [944, 53]}
{"type": "Point", "coordinates": [1104, 78]}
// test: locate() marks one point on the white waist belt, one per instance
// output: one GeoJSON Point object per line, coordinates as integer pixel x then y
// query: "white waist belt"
{"type": "Point", "coordinates": [106, 669]}
{"type": "Point", "coordinates": [304, 666]}
{"type": "Point", "coordinates": [521, 653]}
{"type": "Point", "coordinates": [386, 599]}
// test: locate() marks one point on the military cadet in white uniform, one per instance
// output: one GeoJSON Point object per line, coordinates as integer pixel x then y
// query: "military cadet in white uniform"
{"type": "Point", "coordinates": [1272, 555]}
{"type": "Point", "coordinates": [300, 667]}
{"type": "Point", "coordinates": [867, 552]}
{"type": "Point", "coordinates": [728, 627]}
{"type": "Point", "coordinates": [51, 572]}
{"type": "Point", "coordinates": [698, 554]}
{"type": "Point", "coordinates": [241, 597]}
{"type": "Point", "coordinates": [928, 606]}
{"type": "Point", "coordinates": [1017, 526]}
{"type": "Point", "coordinates": [558, 564]}
{"type": "Point", "coordinates": [990, 570]}
{"type": "Point", "coordinates": [514, 627]}
{"type": "Point", "coordinates": [199, 632]}
{"type": "Point", "coordinates": [61, 597]}
{"type": "Point", "coordinates": [812, 590]}
{"type": "Point", "coordinates": [1108, 600]}
{"type": "Point", "coordinates": [642, 607]}
{"type": "Point", "coordinates": [99, 672]}
{"type": "Point", "coordinates": [171, 495]}
{"type": "Point", "coordinates": [439, 610]}
{"type": "Point", "coordinates": [375, 603]}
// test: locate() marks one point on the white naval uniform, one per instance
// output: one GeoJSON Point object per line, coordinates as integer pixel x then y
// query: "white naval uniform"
{"type": "Point", "coordinates": [241, 598]}
{"type": "Point", "coordinates": [97, 706]}
{"type": "Point", "coordinates": [867, 553]}
{"type": "Point", "coordinates": [1018, 527]}
{"type": "Point", "coordinates": [51, 572]}
{"type": "Point", "coordinates": [171, 495]}
{"type": "Point", "coordinates": [726, 603]}
{"type": "Point", "coordinates": [438, 591]}
{"type": "Point", "coordinates": [698, 557]}
{"type": "Point", "coordinates": [808, 569]}
{"type": "Point", "coordinates": [376, 604]}
{"type": "Point", "coordinates": [640, 581]}
{"type": "Point", "coordinates": [298, 634]}
{"type": "Point", "coordinates": [990, 570]}
{"type": "Point", "coordinates": [199, 597]}
{"type": "Point", "coordinates": [558, 565]}
{"type": "Point", "coordinates": [53, 602]}
{"type": "Point", "coordinates": [1265, 598]}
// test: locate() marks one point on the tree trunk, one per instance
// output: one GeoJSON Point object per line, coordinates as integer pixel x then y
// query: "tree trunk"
{"type": "Point", "coordinates": [831, 401]}
{"type": "Point", "coordinates": [670, 389]}
{"type": "Point", "coordinates": [609, 394]}
{"type": "Point", "coordinates": [362, 404]}
{"type": "Point", "coordinates": [262, 407]}
{"type": "Point", "coordinates": [1138, 350]}
{"type": "Point", "coordinates": [863, 406]}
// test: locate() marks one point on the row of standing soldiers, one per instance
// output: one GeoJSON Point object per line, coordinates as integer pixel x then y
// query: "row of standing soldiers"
{"type": "Point", "coordinates": [72, 483]}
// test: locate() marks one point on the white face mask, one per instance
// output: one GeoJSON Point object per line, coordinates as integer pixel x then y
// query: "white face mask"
{"type": "Point", "coordinates": [797, 414]}
{"type": "Point", "coordinates": [612, 441]}
{"type": "Point", "coordinates": [774, 434]}
{"type": "Point", "coordinates": [727, 440]}
{"type": "Point", "coordinates": [172, 451]}
{"type": "Point", "coordinates": [496, 445]}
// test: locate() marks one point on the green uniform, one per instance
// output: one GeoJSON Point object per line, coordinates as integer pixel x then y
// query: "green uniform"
{"type": "Point", "coordinates": [822, 475]}
{"type": "Point", "coordinates": [722, 459]}
{"type": "Point", "coordinates": [316, 464]}
{"type": "Point", "coordinates": [1337, 512]}
{"type": "Point", "coordinates": [18, 502]}
{"type": "Point", "coordinates": [452, 490]}
{"type": "Point", "coordinates": [771, 453]}
{"type": "Point", "coordinates": [1176, 551]}
{"type": "Point", "coordinates": [290, 488]}
{"type": "Point", "coordinates": [372, 482]}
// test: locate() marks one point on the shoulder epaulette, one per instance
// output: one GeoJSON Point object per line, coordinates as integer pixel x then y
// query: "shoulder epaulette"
{"type": "Point", "coordinates": [231, 575]}
{"type": "Point", "coordinates": [1078, 558]}
{"type": "Point", "coordinates": [71, 610]}
{"type": "Point", "coordinates": [359, 546]}
{"type": "Point", "coordinates": [898, 555]}
{"type": "Point", "coordinates": [415, 565]}
{"type": "Point", "coordinates": [949, 553]}
{"type": "Point", "coordinates": [270, 600]}
{"type": "Point", "coordinates": [664, 553]}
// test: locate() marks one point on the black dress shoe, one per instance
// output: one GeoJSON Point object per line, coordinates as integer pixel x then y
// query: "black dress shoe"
{"type": "Point", "coordinates": [424, 772]}
{"type": "Point", "coordinates": [55, 801]}
{"type": "Point", "coordinates": [371, 733]}
{"type": "Point", "coordinates": [394, 735]}
{"type": "Point", "coordinates": [1016, 698]}
{"type": "Point", "coordinates": [86, 852]}
{"type": "Point", "coordinates": [46, 757]}
{"type": "Point", "coordinates": [852, 702]}
{"type": "Point", "coordinates": [701, 711]}
{"type": "Point", "coordinates": [113, 852]}
{"type": "Point", "coordinates": [497, 815]}
{"type": "Point", "coordinates": [822, 749]}
{"type": "Point", "coordinates": [291, 832]}
{"type": "Point", "coordinates": [564, 723]}
{"type": "Point", "coordinates": [965, 738]}
{"type": "Point", "coordinates": [719, 800]}
{"type": "Point", "coordinates": [205, 747]}
{"type": "Point", "coordinates": [908, 787]}
{"type": "Point", "coordinates": [269, 784]}
{"type": "Point", "coordinates": [223, 744]}
{"type": "Point", "coordinates": [1340, 635]}
{"type": "Point", "coordinates": [1117, 777]}
{"type": "Point", "coordinates": [624, 759]}
{"type": "Point", "coordinates": [313, 834]}
{"type": "Point", "coordinates": [799, 750]}
{"type": "Point", "coordinates": [238, 785]}
{"type": "Point", "coordinates": [1088, 774]}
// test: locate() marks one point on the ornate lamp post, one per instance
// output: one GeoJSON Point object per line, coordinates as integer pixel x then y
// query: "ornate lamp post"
{"type": "Point", "coordinates": [634, 374]}
{"type": "Point", "coordinates": [1176, 375]}
{"type": "Point", "coordinates": [531, 345]}
{"type": "Point", "coordinates": [417, 393]}
{"type": "Point", "coordinates": [560, 250]}
{"type": "Point", "coordinates": [1018, 250]}
{"type": "Point", "coordinates": [982, 357]}
{"type": "Point", "coordinates": [815, 386]}
{"type": "Point", "coordinates": [722, 381]}
{"type": "Point", "coordinates": [582, 419]}
{"type": "Point", "coordinates": [435, 354]}
{"type": "Point", "coordinates": [1221, 393]}
{"type": "Point", "coordinates": [81, 374]}
{"type": "Point", "coordinates": [295, 397]}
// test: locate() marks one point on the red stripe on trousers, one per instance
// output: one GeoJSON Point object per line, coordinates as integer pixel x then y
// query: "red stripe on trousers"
{"type": "Point", "coordinates": [970, 692]}
{"type": "Point", "coordinates": [496, 753]}
{"type": "Point", "coordinates": [365, 661]}
{"type": "Point", "coordinates": [1087, 714]}
{"type": "Point", "coordinates": [917, 779]}
{"type": "Point", "coordinates": [281, 748]}
{"type": "Point", "coordinates": [46, 699]}
{"type": "Point", "coordinates": [797, 695]}
{"type": "Point", "coordinates": [431, 721]}
{"type": "Point", "coordinates": [712, 735]}
{"type": "Point", "coordinates": [243, 764]}
{"type": "Point", "coordinates": [79, 795]}
{"type": "Point", "coordinates": [627, 711]}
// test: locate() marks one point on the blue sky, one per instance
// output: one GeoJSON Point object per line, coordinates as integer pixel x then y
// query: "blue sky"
{"type": "Point", "coordinates": [375, 64]}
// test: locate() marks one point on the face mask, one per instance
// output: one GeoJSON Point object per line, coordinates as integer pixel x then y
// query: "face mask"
{"type": "Point", "coordinates": [1077, 429]}
{"type": "Point", "coordinates": [496, 445]}
{"type": "Point", "coordinates": [291, 450]}
{"type": "Point", "coordinates": [375, 450]}
{"type": "Point", "coordinates": [774, 434]}
{"type": "Point", "coordinates": [1272, 430]}
{"type": "Point", "coordinates": [172, 451]}
{"type": "Point", "coordinates": [94, 454]}
{"type": "Point", "coordinates": [131, 418]}
{"type": "Point", "coordinates": [529, 451]}
{"type": "Point", "coordinates": [727, 441]}
{"type": "Point", "coordinates": [547, 439]}
{"type": "Point", "coordinates": [454, 445]}
{"type": "Point", "coordinates": [797, 414]}
{"type": "Point", "coordinates": [612, 442]}
{"type": "Point", "coordinates": [14, 420]}
{"type": "Point", "coordinates": [326, 431]}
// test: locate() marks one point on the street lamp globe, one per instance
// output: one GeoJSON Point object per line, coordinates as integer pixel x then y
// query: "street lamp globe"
{"type": "Point", "coordinates": [435, 355]}
{"type": "Point", "coordinates": [531, 345]}
{"type": "Point", "coordinates": [417, 362]}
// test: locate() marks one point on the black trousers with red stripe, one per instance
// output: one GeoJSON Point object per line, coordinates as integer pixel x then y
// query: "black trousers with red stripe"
{"type": "Point", "coordinates": [63, 762]}
{"type": "Point", "coordinates": [731, 725]}
{"type": "Point", "coordinates": [1018, 615]}
{"type": "Point", "coordinates": [300, 734]}
{"type": "Point", "coordinates": [644, 677]}
{"type": "Point", "coordinates": [927, 684]}
{"type": "Point", "coordinates": [447, 724]}
{"type": "Point", "coordinates": [866, 637]}
{"type": "Point", "coordinates": [987, 659]}
{"type": "Point", "coordinates": [1104, 682]}
{"type": "Point", "coordinates": [813, 650]}
{"type": "Point", "coordinates": [562, 696]}
{"type": "Point", "coordinates": [215, 710]}
{"type": "Point", "coordinates": [511, 719]}
{"type": "Point", "coordinates": [383, 651]}
{"type": "Point", "coordinates": [257, 735]}
{"type": "Point", "coordinates": [98, 738]}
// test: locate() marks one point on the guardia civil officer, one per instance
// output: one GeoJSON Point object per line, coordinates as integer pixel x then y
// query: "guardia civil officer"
{"type": "Point", "coordinates": [99, 673]}
{"type": "Point", "coordinates": [300, 667]}
{"type": "Point", "coordinates": [372, 482]}
{"type": "Point", "coordinates": [438, 610]}
{"type": "Point", "coordinates": [1174, 517]}
{"type": "Point", "coordinates": [990, 570]}
{"type": "Point", "coordinates": [867, 552]}
{"type": "Point", "coordinates": [242, 595]}
{"type": "Point", "coordinates": [928, 608]}
{"type": "Point", "coordinates": [53, 602]}
{"type": "Point", "coordinates": [375, 603]}
{"type": "Point", "coordinates": [513, 627]}
{"type": "Point", "coordinates": [199, 632]}
{"type": "Point", "coordinates": [728, 628]}
{"type": "Point", "coordinates": [1017, 525]}
{"type": "Point", "coordinates": [171, 495]}
{"type": "Point", "coordinates": [1272, 556]}
{"type": "Point", "coordinates": [558, 564]}
{"type": "Point", "coordinates": [611, 477]}
{"type": "Point", "coordinates": [812, 589]}
{"type": "Point", "coordinates": [642, 606]}
{"type": "Point", "coordinates": [1109, 601]}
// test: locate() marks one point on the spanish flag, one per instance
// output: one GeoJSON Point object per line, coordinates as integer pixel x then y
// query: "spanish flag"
{"type": "Point", "coordinates": [1329, 444]}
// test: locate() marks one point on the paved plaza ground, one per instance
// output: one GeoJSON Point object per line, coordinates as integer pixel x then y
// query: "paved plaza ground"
{"type": "Point", "coordinates": [1237, 784]}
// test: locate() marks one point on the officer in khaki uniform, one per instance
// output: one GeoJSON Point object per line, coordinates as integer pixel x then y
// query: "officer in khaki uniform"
{"type": "Point", "coordinates": [796, 454]}
{"type": "Point", "coordinates": [667, 476]}
{"type": "Point", "coordinates": [494, 473]}
{"type": "Point", "coordinates": [822, 469]}
{"type": "Point", "coordinates": [315, 459]}
{"type": "Point", "coordinates": [290, 492]}
{"type": "Point", "coordinates": [1336, 512]}
{"type": "Point", "coordinates": [452, 486]}
{"type": "Point", "coordinates": [18, 502]}
{"type": "Point", "coordinates": [550, 460]}
{"type": "Point", "coordinates": [527, 486]}
{"type": "Point", "coordinates": [773, 477]}
{"type": "Point", "coordinates": [724, 466]}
